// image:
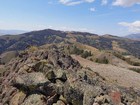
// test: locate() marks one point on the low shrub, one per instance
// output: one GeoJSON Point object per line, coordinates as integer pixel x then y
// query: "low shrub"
{"type": "Point", "coordinates": [128, 60]}
{"type": "Point", "coordinates": [32, 48]}
{"type": "Point", "coordinates": [77, 51]}
{"type": "Point", "coordinates": [135, 69]}
{"type": "Point", "coordinates": [103, 61]}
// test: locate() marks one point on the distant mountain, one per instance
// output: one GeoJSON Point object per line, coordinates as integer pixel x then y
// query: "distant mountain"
{"type": "Point", "coordinates": [134, 36]}
{"type": "Point", "coordinates": [49, 36]}
{"type": "Point", "coordinates": [11, 32]}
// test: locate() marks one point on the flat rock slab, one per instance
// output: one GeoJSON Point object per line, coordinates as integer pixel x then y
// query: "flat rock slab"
{"type": "Point", "coordinates": [31, 79]}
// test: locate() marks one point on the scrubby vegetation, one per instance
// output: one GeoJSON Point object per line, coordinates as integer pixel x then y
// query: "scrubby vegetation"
{"type": "Point", "coordinates": [103, 61]}
{"type": "Point", "coordinates": [119, 55]}
{"type": "Point", "coordinates": [128, 60]}
{"type": "Point", "coordinates": [32, 48]}
{"type": "Point", "coordinates": [75, 50]}
{"type": "Point", "coordinates": [135, 69]}
{"type": "Point", "coordinates": [86, 54]}
{"type": "Point", "coordinates": [81, 52]}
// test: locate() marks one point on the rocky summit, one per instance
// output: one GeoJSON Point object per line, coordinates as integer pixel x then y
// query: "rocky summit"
{"type": "Point", "coordinates": [49, 76]}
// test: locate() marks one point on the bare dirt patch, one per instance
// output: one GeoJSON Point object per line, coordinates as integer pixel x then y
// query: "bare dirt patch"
{"type": "Point", "coordinates": [120, 76]}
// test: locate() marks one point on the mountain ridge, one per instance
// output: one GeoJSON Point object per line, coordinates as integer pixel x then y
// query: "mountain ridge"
{"type": "Point", "coordinates": [10, 32]}
{"type": "Point", "coordinates": [133, 36]}
{"type": "Point", "coordinates": [48, 36]}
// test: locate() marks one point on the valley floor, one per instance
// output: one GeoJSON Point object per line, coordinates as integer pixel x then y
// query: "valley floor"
{"type": "Point", "coordinates": [117, 75]}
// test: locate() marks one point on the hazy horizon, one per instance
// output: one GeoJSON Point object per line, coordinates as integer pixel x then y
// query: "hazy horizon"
{"type": "Point", "coordinates": [16, 32]}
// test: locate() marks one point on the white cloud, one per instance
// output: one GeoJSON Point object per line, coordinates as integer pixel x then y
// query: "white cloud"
{"type": "Point", "coordinates": [92, 9]}
{"type": "Point", "coordinates": [90, 1]}
{"type": "Point", "coordinates": [126, 3]}
{"type": "Point", "coordinates": [104, 2]}
{"type": "Point", "coordinates": [65, 28]}
{"type": "Point", "coordinates": [75, 2]}
{"type": "Point", "coordinates": [132, 27]}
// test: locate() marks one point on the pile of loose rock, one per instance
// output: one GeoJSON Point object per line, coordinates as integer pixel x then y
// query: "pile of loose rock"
{"type": "Point", "coordinates": [53, 78]}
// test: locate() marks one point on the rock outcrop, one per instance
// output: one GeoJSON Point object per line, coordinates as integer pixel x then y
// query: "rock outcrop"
{"type": "Point", "coordinates": [50, 77]}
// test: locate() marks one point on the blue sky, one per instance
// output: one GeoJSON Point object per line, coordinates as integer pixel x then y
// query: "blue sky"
{"type": "Point", "coordinates": [117, 17]}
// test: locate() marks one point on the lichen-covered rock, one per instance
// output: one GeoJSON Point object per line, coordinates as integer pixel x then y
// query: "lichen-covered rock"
{"type": "Point", "coordinates": [73, 95]}
{"type": "Point", "coordinates": [31, 82]}
{"type": "Point", "coordinates": [61, 60]}
{"type": "Point", "coordinates": [31, 79]}
{"type": "Point", "coordinates": [102, 99]}
{"type": "Point", "coordinates": [95, 104]}
{"type": "Point", "coordinates": [59, 102]}
{"type": "Point", "coordinates": [51, 76]}
{"type": "Point", "coordinates": [59, 87]}
{"type": "Point", "coordinates": [39, 66]}
{"type": "Point", "coordinates": [90, 94]}
{"type": "Point", "coordinates": [34, 99]}
{"type": "Point", "coordinates": [61, 75]}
